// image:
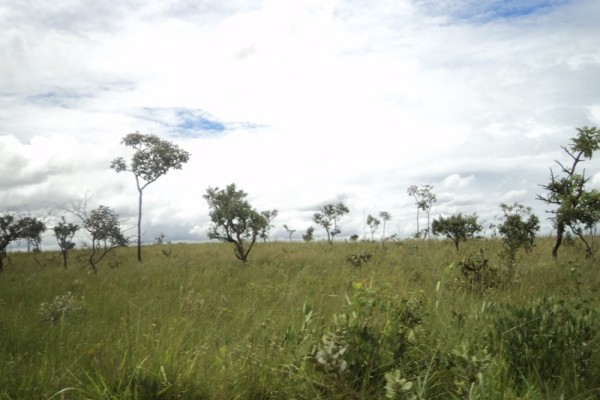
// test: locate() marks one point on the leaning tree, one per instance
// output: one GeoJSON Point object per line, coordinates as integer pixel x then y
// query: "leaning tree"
{"type": "Point", "coordinates": [233, 219]}
{"type": "Point", "coordinates": [14, 228]}
{"type": "Point", "coordinates": [153, 158]}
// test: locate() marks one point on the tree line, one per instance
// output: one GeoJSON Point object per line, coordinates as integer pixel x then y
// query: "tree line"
{"type": "Point", "coordinates": [575, 209]}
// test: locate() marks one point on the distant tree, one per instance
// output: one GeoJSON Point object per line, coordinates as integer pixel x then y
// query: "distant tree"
{"type": "Point", "coordinates": [354, 238]}
{"type": "Point", "coordinates": [456, 227]}
{"type": "Point", "coordinates": [576, 207]}
{"type": "Point", "coordinates": [518, 228]}
{"type": "Point", "coordinates": [104, 227]}
{"type": "Point", "coordinates": [289, 231]}
{"type": "Point", "coordinates": [373, 223]}
{"type": "Point", "coordinates": [385, 217]}
{"type": "Point", "coordinates": [233, 219]}
{"type": "Point", "coordinates": [329, 216]}
{"type": "Point", "coordinates": [269, 215]}
{"type": "Point", "coordinates": [153, 158]}
{"type": "Point", "coordinates": [424, 199]}
{"type": "Point", "coordinates": [309, 235]}
{"type": "Point", "coordinates": [32, 232]}
{"type": "Point", "coordinates": [64, 237]}
{"type": "Point", "coordinates": [14, 228]}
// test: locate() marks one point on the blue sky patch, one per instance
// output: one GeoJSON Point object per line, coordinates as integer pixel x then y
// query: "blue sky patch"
{"type": "Point", "coordinates": [196, 120]}
{"type": "Point", "coordinates": [489, 10]}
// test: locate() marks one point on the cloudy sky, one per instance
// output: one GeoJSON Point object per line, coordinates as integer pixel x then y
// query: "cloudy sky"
{"type": "Point", "coordinates": [298, 102]}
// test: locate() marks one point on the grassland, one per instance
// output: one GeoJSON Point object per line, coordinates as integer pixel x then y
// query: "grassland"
{"type": "Point", "coordinates": [300, 322]}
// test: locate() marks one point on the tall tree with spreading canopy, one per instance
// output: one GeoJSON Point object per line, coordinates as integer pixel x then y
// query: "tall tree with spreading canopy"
{"type": "Point", "coordinates": [424, 199]}
{"type": "Point", "coordinates": [153, 158]}
{"type": "Point", "coordinates": [13, 228]}
{"type": "Point", "coordinates": [576, 207]}
{"type": "Point", "coordinates": [328, 217]}
{"type": "Point", "coordinates": [233, 219]}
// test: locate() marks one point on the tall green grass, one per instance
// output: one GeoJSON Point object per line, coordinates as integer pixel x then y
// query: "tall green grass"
{"type": "Point", "coordinates": [193, 322]}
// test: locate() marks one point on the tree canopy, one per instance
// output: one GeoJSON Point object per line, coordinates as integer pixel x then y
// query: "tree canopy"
{"type": "Point", "coordinates": [233, 219]}
{"type": "Point", "coordinates": [576, 207]}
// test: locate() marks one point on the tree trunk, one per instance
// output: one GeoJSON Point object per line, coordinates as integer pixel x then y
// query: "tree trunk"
{"type": "Point", "coordinates": [64, 253]}
{"type": "Point", "coordinates": [139, 230]}
{"type": "Point", "coordinates": [560, 230]}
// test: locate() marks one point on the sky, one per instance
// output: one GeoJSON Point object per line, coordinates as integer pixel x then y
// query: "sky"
{"type": "Point", "coordinates": [300, 103]}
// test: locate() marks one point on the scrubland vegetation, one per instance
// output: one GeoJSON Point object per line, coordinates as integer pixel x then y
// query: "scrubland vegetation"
{"type": "Point", "coordinates": [408, 320]}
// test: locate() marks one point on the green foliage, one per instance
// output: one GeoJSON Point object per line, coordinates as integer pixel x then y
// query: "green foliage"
{"type": "Point", "coordinates": [367, 341]}
{"type": "Point", "coordinates": [13, 229]}
{"type": "Point", "coordinates": [328, 217]}
{"type": "Point", "coordinates": [517, 232]}
{"type": "Point", "coordinates": [456, 227]}
{"type": "Point", "coordinates": [359, 259]}
{"type": "Point", "coordinates": [575, 206]}
{"type": "Point", "coordinates": [309, 235]}
{"type": "Point", "coordinates": [549, 340]}
{"type": "Point", "coordinates": [62, 306]}
{"type": "Point", "coordinates": [233, 219]}
{"type": "Point", "coordinates": [269, 215]}
{"type": "Point", "coordinates": [64, 237]}
{"type": "Point", "coordinates": [104, 228]}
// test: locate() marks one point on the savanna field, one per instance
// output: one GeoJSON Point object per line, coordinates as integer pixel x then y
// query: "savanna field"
{"type": "Point", "coordinates": [407, 320]}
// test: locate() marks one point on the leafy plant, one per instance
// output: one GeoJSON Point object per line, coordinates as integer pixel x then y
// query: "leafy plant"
{"type": "Point", "coordinates": [61, 307]}
{"type": "Point", "coordinates": [367, 341]}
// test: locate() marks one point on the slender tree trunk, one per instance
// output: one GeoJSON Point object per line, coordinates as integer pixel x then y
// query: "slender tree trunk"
{"type": "Point", "coordinates": [139, 228]}
{"type": "Point", "coordinates": [418, 229]}
{"type": "Point", "coordinates": [560, 230]}
{"type": "Point", "coordinates": [64, 253]}
{"type": "Point", "coordinates": [1, 261]}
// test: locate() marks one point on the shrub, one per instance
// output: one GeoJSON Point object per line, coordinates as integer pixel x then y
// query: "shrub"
{"type": "Point", "coordinates": [366, 342]}
{"type": "Point", "coordinates": [67, 304]}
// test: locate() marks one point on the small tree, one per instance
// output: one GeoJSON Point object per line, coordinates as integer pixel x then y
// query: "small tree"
{"type": "Point", "coordinates": [152, 159]}
{"type": "Point", "coordinates": [289, 231]}
{"type": "Point", "coordinates": [373, 224]}
{"type": "Point", "coordinates": [233, 219]}
{"type": "Point", "coordinates": [309, 235]}
{"type": "Point", "coordinates": [13, 229]}
{"type": "Point", "coordinates": [456, 227]}
{"type": "Point", "coordinates": [329, 216]}
{"type": "Point", "coordinates": [424, 199]}
{"type": "Point", "coordinates": [518, 229]}
{"type": "Point", "coordinates": [104, 228]}
{"type": "Point", "coordinates": [385, 217]}
{"type": "Point", "coordinates": [576, 207]}
{"type": "Point", "coordinates": [64, 237]}
{"type": "Point", "coordinates": [269, 215]}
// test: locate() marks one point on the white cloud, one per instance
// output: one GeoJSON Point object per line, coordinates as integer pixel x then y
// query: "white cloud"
{"type": "Point", "coordinates": [318, 100]}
